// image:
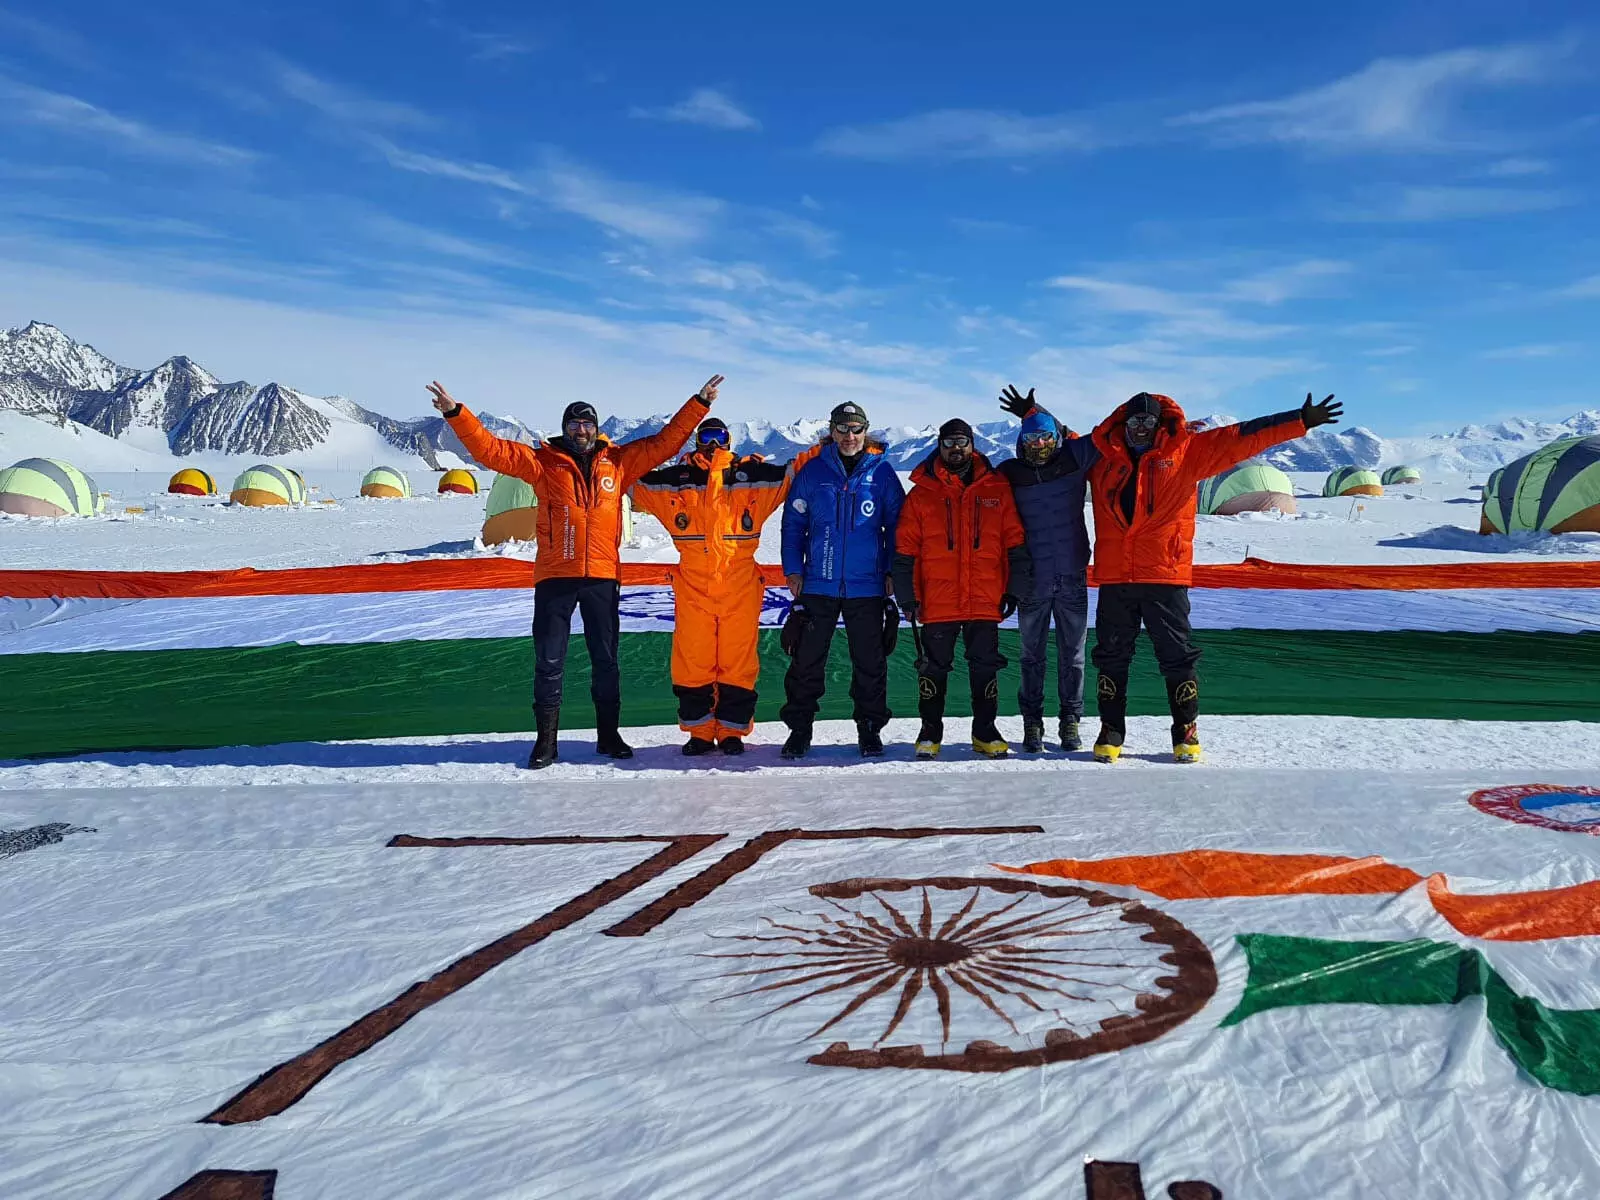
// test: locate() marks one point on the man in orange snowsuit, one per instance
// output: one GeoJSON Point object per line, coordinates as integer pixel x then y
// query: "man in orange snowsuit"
{"type": "Point", "coordinates": [580, 479]}
{"type": "Point", "coordinates": [1144, 488]}
{"type": "Point", "coordinates": [714, 503]}
{"type": "Point", "coordinates": [959, 566]}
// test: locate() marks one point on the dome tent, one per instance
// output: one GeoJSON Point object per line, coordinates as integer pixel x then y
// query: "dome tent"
{"type": "Point", "coordinates": [264, 486]}
{"type": "Point", "coordinates": [48, 487]}
{"type": "Point", "coordinates": [1249, 487]}
{"type": "Point", "coordinates": [458, 482]}
{"type": "Point", "coordinates": [192, 481]}
{"type": "Point", "coordinates": [386, 483]}
{"type": "Point", "coordinates": [1395, 476]}
{"type": "Point", "coordinates": [511, 513]}
{"type": "Point", "coordinates": [1352, 481]}
{"type": "Point", "coordinates": [1556, 490]}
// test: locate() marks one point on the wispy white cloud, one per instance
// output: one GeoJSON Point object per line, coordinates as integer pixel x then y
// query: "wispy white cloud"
{"type": "Point", "coordinates": [1286, 283]}
{"type": "Point", "coordinates": [416, 237]}
{"type": "Point", "coordinates": [345, 105]}
{"type": "Point", "coordinates": [1390, 105]}
{"type": "Point", "coordinates": [448, 168]}
{"type": "Point", "coordinates": [497, 47]}
{"type": "Point", "coordinates": [53, 41]}
{"type": "Point", "coordinates": [1388, 351]}
{"type": "Point", "coordinates": [651, 214]}
{"type": "Point", "coordinates": [1517, 168]}
{"type": "Point", "coordinates": [24, 104]}
{"type": "Point", "coordinates": [818, 241]}
{"type": "Point", "coordinates": [1531, 350]}
{"type": "Point", "coordinates": [1173, 314]}
{"type": "Point", "coordinates": [1448, 202]}
{"type": "Point", "coordinates": [1583, 289]}
{"type": "Point", "coordinates": [703, 106]}
{"type": "Point", "coordinates": [980, 227]}
{"type": "Point", "coordinates": [962, 133]}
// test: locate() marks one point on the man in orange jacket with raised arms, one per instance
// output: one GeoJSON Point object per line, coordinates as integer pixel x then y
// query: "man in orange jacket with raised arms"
{"type": "Point", "coordinates": [580, 479]}
{"type": "Point", "coordinates": [1144, 487]}
{"type": "Point", "coordinates": [714, 504]}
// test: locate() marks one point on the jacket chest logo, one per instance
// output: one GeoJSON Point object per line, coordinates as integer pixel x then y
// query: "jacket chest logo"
{"type": "Point", "coordinates": [1166, 464]}
{"type": "Point", "coordinates": [868, 508]}
{"type": "Point", "coordinates": [681, 521]}
{"type": "Point", "coordinates": [989, 502]}
{"type": "Point", "coordinates": [608, 483]}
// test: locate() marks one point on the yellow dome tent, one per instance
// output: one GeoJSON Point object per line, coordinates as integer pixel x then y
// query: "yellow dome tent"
{"type": "Point", "coordinates": [511, 512]}
{"type": "Point", "coordinates": [265, 486]}
{"type": "Point", "coordinates": [192, 481]}
{"type": "Point", "coordinates": [386, 483]}
{"type": "Point", "coordinates": [48, 487]}
{"type": "Point", "coordinates": [1352, 481]}
{"type": "Point", "coordinates": [458, 482]}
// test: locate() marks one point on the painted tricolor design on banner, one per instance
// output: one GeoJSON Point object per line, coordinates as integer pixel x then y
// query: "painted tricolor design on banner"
{"type": "Point", "coordinates": [441, 646]}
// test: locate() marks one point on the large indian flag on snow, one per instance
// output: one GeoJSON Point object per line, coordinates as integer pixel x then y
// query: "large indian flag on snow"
{"type": "Point", "coordinates": [125, 660]}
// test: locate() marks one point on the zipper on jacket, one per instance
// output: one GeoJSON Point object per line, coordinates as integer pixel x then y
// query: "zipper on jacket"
{"type": "Point", "coordinates": [949, 526]}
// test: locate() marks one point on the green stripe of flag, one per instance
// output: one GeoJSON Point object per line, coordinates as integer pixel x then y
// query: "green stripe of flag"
{"type": "Point", "coordinates": [120, 700]}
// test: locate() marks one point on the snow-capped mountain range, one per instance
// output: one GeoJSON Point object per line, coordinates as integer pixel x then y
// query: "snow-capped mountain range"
{"type": "Point", "coordinates": [63, 398]}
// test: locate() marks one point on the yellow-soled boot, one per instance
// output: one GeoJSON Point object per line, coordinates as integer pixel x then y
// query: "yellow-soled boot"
{"type": "Point", "coordinates": [990, 747]}
{"type": "Point", "coordinates": [928, 740]}
{"type": "Point", "coordinates": [1186, 744]}
{"type": "Point", "coordinates": [986, 739]}
{"type": "Point", "coordinates": [1108, 746]}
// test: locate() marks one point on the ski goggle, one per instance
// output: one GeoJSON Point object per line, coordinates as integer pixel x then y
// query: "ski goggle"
{"type": "Point", "coordinates": [1142, 424]}
{"type": "Point", "coordinates": [955, 440]}
{"type": "Point", "coordinates": [852, 428]}
{"type": "Point", "coordinates": [1041, 438]}
{"type": "Point", "coordinates": [712, 437]}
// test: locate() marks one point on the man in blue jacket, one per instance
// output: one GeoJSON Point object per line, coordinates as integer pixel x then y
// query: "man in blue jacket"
{"type": "Point", "coordinates": [1047, 480]}
{"type": "Point", "coordinates": [838, 539]}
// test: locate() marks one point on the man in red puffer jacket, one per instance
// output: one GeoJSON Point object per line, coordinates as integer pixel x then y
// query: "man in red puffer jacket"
{"type": "Point", "coordinates": [1144, 507]}
{"type": "Point", "coordinates": [959, 566]}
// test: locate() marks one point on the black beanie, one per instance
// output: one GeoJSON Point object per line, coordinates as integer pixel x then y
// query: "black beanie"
{"type": "Point", "coordinates": [1144, 402]}
{"type": "Point", "coordinates": [848, 411]}
{"type": "Point", "coordinates": [579, 410]}
{"type": "Point", "coordinates": [713, 423]}
{"type": "Point", "coordinates": [954, 426]}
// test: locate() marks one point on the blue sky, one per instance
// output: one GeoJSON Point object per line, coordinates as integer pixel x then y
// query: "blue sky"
{"type": "Point", "coordinates": [905, 205]}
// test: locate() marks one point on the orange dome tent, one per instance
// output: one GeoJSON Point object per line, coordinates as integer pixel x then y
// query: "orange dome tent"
{"type": "Point", "coordinates": [192, 481]}
{"type": "Point", "coordinates": [458, 482]}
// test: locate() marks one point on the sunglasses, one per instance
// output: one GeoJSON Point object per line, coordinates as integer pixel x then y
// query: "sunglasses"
{"type": "Point", "coordinates": [1038, 439]}
{"type": "Point", "coordinates": [713, 437]}
{"type": "Point", "coordinates": [583, 427]}
{"type": "Point", "coordinates": [853, 429]}
{"type": "Point", "coordinates": [952, 442]}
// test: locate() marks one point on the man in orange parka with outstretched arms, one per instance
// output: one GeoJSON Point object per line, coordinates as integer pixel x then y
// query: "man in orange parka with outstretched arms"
{"type": "Point", "coordinates": [713, 504]}
{"type": "Point", "coordinates": [580, 479]}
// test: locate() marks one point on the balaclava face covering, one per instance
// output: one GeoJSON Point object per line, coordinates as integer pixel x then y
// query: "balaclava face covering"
{"type": "Point", "coordinates": [1143, 403]}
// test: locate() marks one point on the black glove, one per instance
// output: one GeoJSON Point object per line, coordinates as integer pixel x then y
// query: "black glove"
{"type": "Point", "coordinates": [1008, 605]}
{"type": "Point", "coordinates": [1326, 413]}
{"type": "Point", "coordinates": [1015, 403]}
{"type": "Point", "coordinates": [891, 627]}
{"type": "Point", "coordinates": [902, 571]}
{"type": "Point", "coordinates": [794, 629]}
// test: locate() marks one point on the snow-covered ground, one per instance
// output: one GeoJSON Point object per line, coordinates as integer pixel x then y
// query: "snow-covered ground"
{"type": "Point", "coordinates": [1434, 522]}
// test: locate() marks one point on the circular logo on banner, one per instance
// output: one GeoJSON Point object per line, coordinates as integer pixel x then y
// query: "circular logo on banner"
{"type": "Point", "coordinates": [1548, 805]}
{"type": "Point", "coordinates": [868, 508]}
{"type": "Point", "coordinates": [681, 520]}
{"type": "Point", "coordinates": [742, 476]}
{"type": "Point", "coordinates": [608, 484]}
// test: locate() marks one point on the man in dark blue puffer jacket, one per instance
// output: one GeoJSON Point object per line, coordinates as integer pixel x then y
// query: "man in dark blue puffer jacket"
{"type": "Point", "coordinates": [1047, 479]}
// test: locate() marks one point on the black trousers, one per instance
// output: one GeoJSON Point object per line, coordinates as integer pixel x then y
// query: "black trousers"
{"type": "Point", "coordinates": [1163, 610]}
{"type": "Point", "coordinates": [553, 602]}
{"type": "Point", "coordinates": [984, 660]}
{"type": "Point", "coordinates": [806, 680]}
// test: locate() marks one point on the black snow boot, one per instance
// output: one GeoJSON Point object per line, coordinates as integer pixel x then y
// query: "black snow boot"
{"type": "Point", "coordinates": [1071, 736]}
{"type": "Point", "coordinates": [608, 741]}
{"type": "Point", "coordinates": [1112, 697]}
{"type": "Point", "coordinates": [732, 745]}
{"type": "Point", "coordinates": [544, 746]}
{"type": "Point", "coordinates": [986, 739]}
{"type": "Point", "coordinates": [797, 744]}
{"type": "Point", "coordinates": [868, 742]}
{"type": "Point", "coordinates": [1183, 698]}
{"type": "Point", "coordinates": [696, 746]}
{"type": "Point", "coordinates": [1033, 735]}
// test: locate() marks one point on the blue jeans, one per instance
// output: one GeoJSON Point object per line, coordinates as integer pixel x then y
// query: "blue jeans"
{"type": "Point", "coordinates": [1068, 603]}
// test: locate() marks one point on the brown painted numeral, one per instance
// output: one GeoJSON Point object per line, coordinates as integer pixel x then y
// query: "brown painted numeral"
{"type": "Point", "coordinates": [226, 1185]}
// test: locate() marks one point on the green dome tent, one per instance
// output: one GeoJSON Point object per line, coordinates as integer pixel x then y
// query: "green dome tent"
{"type": "Point", "coordinates": [511, 513]}
{"type": "Point", "coordinates": [48, 487]}
{"type": "Point", "coordinates": [1556, 489]}
{"type": "Point", "coordinates": [1249, 487]}
{"type": "Point", "coordinates": [1395, 476]}
{"type": "Point", "coordinates": [386, 483]}
{"type": "Point", "coordinates": [264, 486]}
{"type": "Point", "coordinates": [1353, 481]}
